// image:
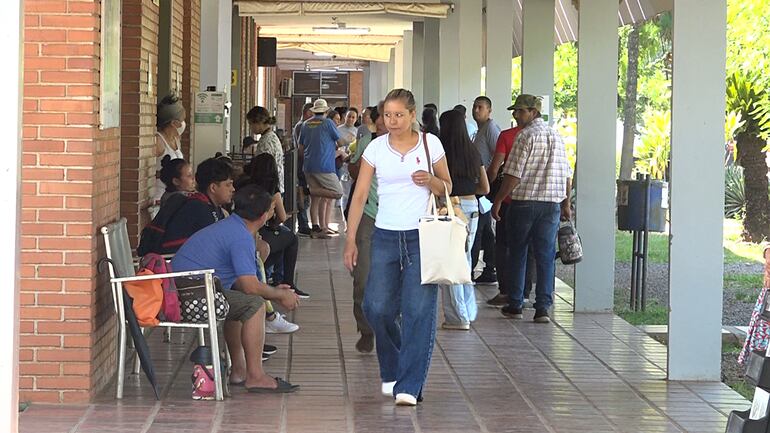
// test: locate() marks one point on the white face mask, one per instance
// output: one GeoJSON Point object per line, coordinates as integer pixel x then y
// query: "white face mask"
{"type": "Point", "coordinates": [180, 129]}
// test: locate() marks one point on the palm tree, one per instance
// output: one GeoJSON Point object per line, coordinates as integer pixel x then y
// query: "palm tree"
{"type": "Point", "coordinates": [748, 97]}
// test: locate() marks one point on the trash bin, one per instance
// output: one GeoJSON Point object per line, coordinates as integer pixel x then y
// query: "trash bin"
{"type": "Point", "coordinates": [631, 205]}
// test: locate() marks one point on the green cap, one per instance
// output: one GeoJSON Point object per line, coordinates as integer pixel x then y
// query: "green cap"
{"type": "Point", "coordinates": [527, 101]}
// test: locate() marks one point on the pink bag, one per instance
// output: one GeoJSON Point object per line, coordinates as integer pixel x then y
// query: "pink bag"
{"type": "Point", "coordinates": [203, 385]}
{"type": "Point", "coordinates": [170, 309]}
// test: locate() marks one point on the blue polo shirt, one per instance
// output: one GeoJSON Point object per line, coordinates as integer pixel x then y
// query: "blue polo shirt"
{"type": "Point", "coordinates": [319, 137]}
{"type": "Point", "coordinates": [226, 246]}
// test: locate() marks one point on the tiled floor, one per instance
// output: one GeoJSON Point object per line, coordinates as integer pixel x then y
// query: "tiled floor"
{"type": "Point", "coordinates": [583, 373]}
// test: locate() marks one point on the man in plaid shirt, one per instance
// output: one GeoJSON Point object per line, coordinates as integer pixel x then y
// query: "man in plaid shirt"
{"type": "Point", "coordinates": [538, 179]}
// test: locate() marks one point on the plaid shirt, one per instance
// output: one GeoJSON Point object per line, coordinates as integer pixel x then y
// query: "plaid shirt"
{"type": "Point", "coordinates": [538, 158]}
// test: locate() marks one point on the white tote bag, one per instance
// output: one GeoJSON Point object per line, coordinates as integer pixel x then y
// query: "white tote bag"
{"type": "Point", "coordinates": [442, 241]}
{"type": "Point", "coordinates": [442, 246]}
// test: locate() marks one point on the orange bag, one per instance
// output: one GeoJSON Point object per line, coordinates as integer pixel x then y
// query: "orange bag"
{"type": "Point", "coordinates": [148, 298]}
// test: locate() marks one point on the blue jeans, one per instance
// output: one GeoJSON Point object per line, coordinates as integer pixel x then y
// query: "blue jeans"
{"type": "Point", "coordinates": [535, 223]}
{"type": "Point", "coordinates": [393, 289]}
{"type": "Point", "coordinates": [459, 300]}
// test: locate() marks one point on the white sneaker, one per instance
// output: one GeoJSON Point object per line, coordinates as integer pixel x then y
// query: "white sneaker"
{"type": "Point", "coordinates": [279, 325]}
{"type": "Point", "coordinates": [387, 388]}
{"type": "Point", "coordinates": [403, 399]}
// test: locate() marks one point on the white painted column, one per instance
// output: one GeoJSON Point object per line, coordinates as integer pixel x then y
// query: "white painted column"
{"type": "Point", "coordinates": [470, 52]}
{"type": "Point", "coordinates": [697, 143]}
{"type": "Point", "coordinates": [597, 116]}
{"type": "Point", "coordinates": [431, 78]}
{"type": "Point", "coordinates": [398, 65]}
{"type": "Point", "coordinates": [391, 81]}
{"type": "Point", "coordinates": [378, 76]}
{"type": "Point", "coordinates": [10, 175]}
{"type": "Point", "coordinates": [499, 42]}
{"type": "Point", "coordinates": [538, 47]}
{"type": "Point", "coordinates": [449, 61]}
{"type": "Point", "coordinates": [406, 59]}
{"type": "Point", "coordinates": [216, 29]}
{"type": "Point", "coordinates": [418, 54]}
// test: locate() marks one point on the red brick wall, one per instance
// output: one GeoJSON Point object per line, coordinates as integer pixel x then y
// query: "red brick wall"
{"type": "Point", "coordinates": [356, 90]}
{"type": "Point", "coordinates": [68, 191]}
{"type": "Point", "coordinates": [138, 108]}
{"type": "Point", "coordinates": [191, 50]}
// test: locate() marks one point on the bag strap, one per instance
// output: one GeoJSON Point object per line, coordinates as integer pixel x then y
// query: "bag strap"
{"type": "Point", "coordinates": [427, 152]}
{"type": "Point", "coordinates": [432, 207]}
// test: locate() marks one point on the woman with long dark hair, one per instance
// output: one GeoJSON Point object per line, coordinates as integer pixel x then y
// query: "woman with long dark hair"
{"type": "Point", "coordinates": [429, 121]}
{"type": "Point", "coordinates": [469, 178]}
{"type": "Point", "coordinates": [284, 244]}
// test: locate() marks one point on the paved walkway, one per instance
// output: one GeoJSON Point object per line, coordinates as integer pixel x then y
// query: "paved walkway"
{"type": "Point", "coordinates": [584, 373]}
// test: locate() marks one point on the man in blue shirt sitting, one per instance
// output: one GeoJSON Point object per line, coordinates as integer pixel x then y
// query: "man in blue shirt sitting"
{"type": "Point", "coordinates": [228, 247]}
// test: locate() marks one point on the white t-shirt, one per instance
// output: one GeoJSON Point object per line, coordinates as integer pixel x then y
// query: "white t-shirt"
{"type": "Point", "coordinates": [401, 202]}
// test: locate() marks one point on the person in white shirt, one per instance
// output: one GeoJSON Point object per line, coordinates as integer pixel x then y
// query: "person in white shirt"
{"type": "Point", "coordinates": [168, 141]}
{"type": "Point", "coordinates": [400, 162]}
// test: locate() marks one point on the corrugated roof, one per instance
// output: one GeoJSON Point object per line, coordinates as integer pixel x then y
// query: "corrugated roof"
{"type": "Point", "coordinates": [566, 18]}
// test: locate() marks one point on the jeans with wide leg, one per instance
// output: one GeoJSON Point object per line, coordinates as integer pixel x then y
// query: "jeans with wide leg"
{"type": "Point", "coordinates": [394, 289]}
{"type": "Point", "coordinates": [532, 223]}
{"type": "Point", "coordinates": [459, 300]}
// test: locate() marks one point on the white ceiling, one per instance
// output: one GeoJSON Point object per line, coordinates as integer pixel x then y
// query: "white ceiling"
{"type": "Point", "coordinates": [390, 28]}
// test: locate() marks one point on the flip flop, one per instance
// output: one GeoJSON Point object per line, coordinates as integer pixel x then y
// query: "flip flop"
{"type": "Point", "coordinates": [241, 383]}
{"type": "Point", "coordinates": [282, 388]}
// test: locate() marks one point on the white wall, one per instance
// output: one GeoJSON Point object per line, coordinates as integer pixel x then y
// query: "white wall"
{"type": "Point", "coordinates": [216, 28]}
{"type": "Point", "coordinates": [10, 176]}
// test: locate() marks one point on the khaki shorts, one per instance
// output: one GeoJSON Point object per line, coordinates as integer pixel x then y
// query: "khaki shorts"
{"type": "Point", "coordinates": [242, 305]}
{"type": "Point", "coordinates": [328, 181]}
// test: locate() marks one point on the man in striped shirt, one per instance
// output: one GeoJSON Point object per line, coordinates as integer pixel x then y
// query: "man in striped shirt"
{"type": "Point", "coordinates": [538, 180]}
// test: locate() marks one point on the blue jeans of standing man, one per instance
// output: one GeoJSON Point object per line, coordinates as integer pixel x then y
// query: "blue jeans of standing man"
{"type": "Point", "coordinates": [459, 300]}
{"type": "Point", "coordinates": [393, 288]}
{"type": "Point", "coordinates": [535, 223]}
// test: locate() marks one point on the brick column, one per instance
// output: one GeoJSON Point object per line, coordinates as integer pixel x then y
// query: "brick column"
{"type": "Point", "coordinates": [191, 52]}
{"type": "Point", "coordinates": [69, 189]}
{"type": "Point", "coordinates": [138, 107]}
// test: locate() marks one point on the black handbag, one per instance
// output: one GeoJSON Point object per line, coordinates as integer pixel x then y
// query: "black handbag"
{"type": "Point", "coordinates": [192, 299]}
{"type": "Point", "coordinates": [494, 187]}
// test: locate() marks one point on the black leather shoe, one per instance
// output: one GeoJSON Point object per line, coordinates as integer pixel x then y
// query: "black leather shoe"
{"type": "Point", "coordinates": [511, 312]}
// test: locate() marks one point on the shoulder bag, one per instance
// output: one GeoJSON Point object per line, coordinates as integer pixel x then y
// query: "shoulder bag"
{"type": "Point", "coordinates": [442, 242]}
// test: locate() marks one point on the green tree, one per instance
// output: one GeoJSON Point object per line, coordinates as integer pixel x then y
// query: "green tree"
{"type": "Point", "coordinates": [653, 150]}
{"type": "Point", "coordinates": [748, 45]}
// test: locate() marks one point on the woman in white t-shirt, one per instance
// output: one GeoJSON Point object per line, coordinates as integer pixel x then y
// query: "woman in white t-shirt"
{"type": "Point", "coordinates": [168, 141]}
{"type": "Point", "coordinates": [394, 288]}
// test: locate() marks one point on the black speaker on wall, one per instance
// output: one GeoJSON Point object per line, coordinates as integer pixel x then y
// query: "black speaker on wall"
{"type": "Point", "coordinates": [266, 48]}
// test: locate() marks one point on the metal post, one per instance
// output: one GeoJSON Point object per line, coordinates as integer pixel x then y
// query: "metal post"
{"type": "Point", "coordinates": [646, 240]}
{"type": "Point", "coordinates": [634, 270]}
{"type": "Point", "coordinates": [290, 188]}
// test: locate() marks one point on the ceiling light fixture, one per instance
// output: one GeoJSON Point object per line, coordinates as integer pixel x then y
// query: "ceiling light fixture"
{"type": "Point", "coordinates": [340, 28]}
{"type": "Point", "coordinates": [322, 54]}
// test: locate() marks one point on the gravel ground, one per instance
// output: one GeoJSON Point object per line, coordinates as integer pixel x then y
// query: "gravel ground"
{"type": "Point", "coordinates": [734, 312]}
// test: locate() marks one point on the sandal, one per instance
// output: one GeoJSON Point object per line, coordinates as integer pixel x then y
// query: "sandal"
{"type": "Point", "coordinates": [282, 388]}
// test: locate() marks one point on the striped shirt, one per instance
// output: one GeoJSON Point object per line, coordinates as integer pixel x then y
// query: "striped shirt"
{"type": "Point", "coordinates": [539, 160]}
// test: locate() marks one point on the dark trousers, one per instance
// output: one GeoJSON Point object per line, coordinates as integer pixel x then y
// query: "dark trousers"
{"type": "Point", "coordinates": [532, 224]}
{"type": "Point", "coordinates": [284, 247]}
{"type": "Point", "coordinates": [485, 240]}
{"type": "Point", "coordinates": [503, 259]}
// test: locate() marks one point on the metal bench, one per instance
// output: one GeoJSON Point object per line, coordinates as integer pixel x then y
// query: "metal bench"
{"type": "Point", "coordinates": [122, 270]}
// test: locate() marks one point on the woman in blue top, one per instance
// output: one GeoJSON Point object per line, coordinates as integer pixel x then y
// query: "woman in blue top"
{"type": "Point", "coordinates": [393, 287]}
